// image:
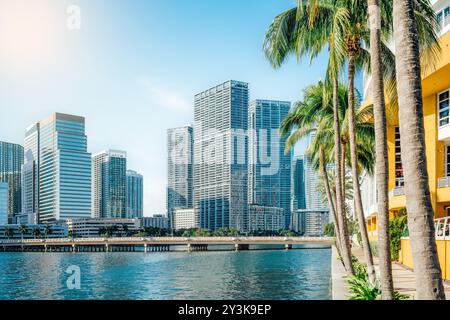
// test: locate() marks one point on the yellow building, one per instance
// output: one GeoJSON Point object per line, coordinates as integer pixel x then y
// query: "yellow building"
{"type": "Point", "coordinates": [436, 103]}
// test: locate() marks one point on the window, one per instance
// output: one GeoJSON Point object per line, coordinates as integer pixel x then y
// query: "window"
{"type": "Point", "coordinates": [399, 180]}
{"type": "Point", "coordinates": [447, 160]}
{"type": "Point", "coordinates": [443, 106]}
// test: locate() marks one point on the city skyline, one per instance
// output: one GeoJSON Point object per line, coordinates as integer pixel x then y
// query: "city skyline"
{"type": "Point", "coordinates": [145, 92]}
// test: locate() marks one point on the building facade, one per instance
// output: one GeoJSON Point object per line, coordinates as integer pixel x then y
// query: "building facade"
{"type": "Point", "coordinates": [30, 173]}
{"type": "Point", "coordinates": [134, 195]}
{"type": "Point", "coordinates": [58, 183]}
{"type": "Point", "coordinates": [4, 203]}
{"type": "Point", "coordinates": [58, 230]}
{"type": "Point", "coordinates": [109, 184]}
{"type": "Point", "coordinates": [157, 221]}
{"type": "Point", "coordinates": [435, 98]}
{"type": "Point", "coordinates": [220, 156]}
{"type": "Point", "coordinates": [180, 184]}
{"type": "Point", "coordinates": [184, 219]}
{"type": "Point", "coordinates": [93, 228]}
{"type": "Point", "coordinates": [11, 161]}
{"type": "Point", "coordinates": [264, 218]}
{"type": "Point", "coordinates": [269, 170]}
{"type": "Point", "coordinates": [298, 184]}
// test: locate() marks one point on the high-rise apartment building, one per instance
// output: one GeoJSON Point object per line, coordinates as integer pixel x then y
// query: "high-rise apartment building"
{"type": "Point", "coordinates": [63, 167]}
{"type": "Point", "coordinates": [30, 174]}
{"type": "Point", "coordinates": [269, 170]}
{"type": "Point", "coordinates": [220, 156]}
{"type": "Point", "coordinates": [11, 160]}
{"type": "Point", "coordinates": [180, 188]}
{"type": "Point", "coordinates": [109, 184]}
{"type": "Point", "coordinates": [134, 195]}
{"type": "Point", "coordinates": [3, 203]}
{"type": "Point", "coordinates": [298, 183]}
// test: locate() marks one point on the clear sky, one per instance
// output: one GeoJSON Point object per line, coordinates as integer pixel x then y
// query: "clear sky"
{"type": "Point", "coordinates": [133, 68]}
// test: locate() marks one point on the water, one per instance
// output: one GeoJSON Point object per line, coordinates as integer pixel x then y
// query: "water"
{"type": "Point", "coordinates": [262, 274]}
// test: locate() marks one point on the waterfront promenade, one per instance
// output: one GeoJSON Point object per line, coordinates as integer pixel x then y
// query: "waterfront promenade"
{"type": "Point", "coordinates": [151, 244]}
{"type": "Point", "coordinates": [404, 278]}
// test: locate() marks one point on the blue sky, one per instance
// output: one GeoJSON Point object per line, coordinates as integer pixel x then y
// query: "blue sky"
{"type": "Point", "coordinates": [133, 69]}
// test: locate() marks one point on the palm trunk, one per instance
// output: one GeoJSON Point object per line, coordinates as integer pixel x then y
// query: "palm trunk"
{"type": "Point", "coordinates": [382, 167]}
{"type": "Point", "coordinates": [357, 201]}
{"type": "Point", "coordinates": [331, 203]}
{"type": "Point", "coordinates": [418, 203]}
{"type": "Point", "coordinates": [343, 169]}
{"type": "Point", "coordinates": [345, 244]}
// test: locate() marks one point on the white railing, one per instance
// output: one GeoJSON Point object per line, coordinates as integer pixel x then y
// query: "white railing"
{"type": "Point", "coordinates": [442, 228]}
{"type": "Point", "coordinates": [397, 191]}
{"type": "Point", "coordinates": [444, 182]}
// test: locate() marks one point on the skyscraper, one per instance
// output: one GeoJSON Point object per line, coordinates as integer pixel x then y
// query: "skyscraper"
{"type": "Point", "coordinates": [134, 195]}
{"type": "Point", "coordinates": [11, 160]}
{"type": "Point", "coordinates": [313, 197]}
{"type": "Point", "coordinates": [180, 187]}
{"type": "Point", "coordinates": [220, 156]}
{"type": "Point", "coordinates": [298, 182]}
{"type": "Point", "coordinates": [30, 173]}
{"type": "Point", "coordinates": [3, 203]}
{"type": "Point", "coordinates": [64, 167]}
{"type": "Point", "coordinates": [269, 176]}
{"type": "Point", "coordinates": [109, 184]}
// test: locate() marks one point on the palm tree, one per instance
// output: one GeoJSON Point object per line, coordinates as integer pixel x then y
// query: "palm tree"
{"type": "Point", "coordinates": [381, 151]}
{"type": "Point", "coordinates": [9, 232]}
{"type": "Point", "coordinates": [22, 230]}
{"type": "Point", "coordinates": [47, 230]}
{"type": "Point", "coordinates": [420, 211]}
{"type": "Point", "coordinates": [36, 232]}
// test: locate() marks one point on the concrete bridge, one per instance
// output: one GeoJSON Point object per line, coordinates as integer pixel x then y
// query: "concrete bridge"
{"type": "Point", "coordinates": [152, 244]}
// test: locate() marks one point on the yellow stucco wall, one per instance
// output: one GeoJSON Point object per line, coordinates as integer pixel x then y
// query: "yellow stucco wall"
{"type": "Point", "coordinates": [443, 249]}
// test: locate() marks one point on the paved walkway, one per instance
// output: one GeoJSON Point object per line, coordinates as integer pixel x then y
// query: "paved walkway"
{"type": "Point", "coordinates": [404, 278]}
{"type": "Point", "coordinates": [339, 286]}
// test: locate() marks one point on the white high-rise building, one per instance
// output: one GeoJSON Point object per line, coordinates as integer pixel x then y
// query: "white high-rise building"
{"type": "Point", "coordinates": [57, 170]}
{"type": "Point", "coordinates": [180, 187]}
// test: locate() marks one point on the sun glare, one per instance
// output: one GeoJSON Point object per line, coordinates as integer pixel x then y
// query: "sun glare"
{"type": "Point", "coordinates": [28, 33]}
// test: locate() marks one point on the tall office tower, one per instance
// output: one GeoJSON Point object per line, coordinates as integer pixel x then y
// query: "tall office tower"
{"type": "Point", "coordinates": [109, 184]}
{"type": "Point", "coordinates": [180, 188]}
{"type": "Point", "coordinates": [134, 195]}
{"type": "Point", "coordinates": [3, 203]}
{"type": "Point", "coordinates": [64, 171]}
{"type": "Point", "coordinates": [298, 183]}
{"type": "Point", "coordinates": [30, 173]}
{"type": "Point", "coordinates": [269, 170]}
{"type": "Point", "coordinates": [220, 156]}
{"type": "Point", "coordinates": [11, 160]}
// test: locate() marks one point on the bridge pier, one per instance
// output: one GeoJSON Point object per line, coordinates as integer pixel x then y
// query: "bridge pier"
{"type": "Point", "coordinates": [240, 246]}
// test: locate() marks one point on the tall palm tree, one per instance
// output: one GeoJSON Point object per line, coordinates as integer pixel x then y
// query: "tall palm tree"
{"type": "Point", "coordinates": [9, 232]}
{"type": "Point", "coordinates": [22, 230]}
{"type": "Point", "coordinates": [420, 211]}
{"type": "Point", "coordinates": [381, 151]}
{"type": "Point", "coordinates": [47, 230]}
{"type": "Point", "coordinates": [36, 232]}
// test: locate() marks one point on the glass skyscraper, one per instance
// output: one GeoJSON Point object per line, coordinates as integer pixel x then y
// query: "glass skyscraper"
{"type": "Point", "coordinates": [30, 173]}
{"type": "Point", "coordinates": [220, 156]}
{"type": "Point", "coordinates": [134, 195]}
{"type": "Point", "coordinates": [180, 188]}
{"type": "Point", "coordinates": [298, 182]}
{"type": "Point", "coordinates": [109, 184]}
{"type": "Point", "coordinates": [11, 160]}
{"type": "Point", "coordinates": [269, 175]}
{"type": "Point", "coordinates": [64, 167]}
{"type": "Point", "coordinates": [3, 203]}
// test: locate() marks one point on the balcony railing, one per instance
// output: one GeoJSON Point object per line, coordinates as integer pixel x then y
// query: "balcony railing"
{"type": "Point", "coordinates": [442, 228]}
{"type": "Point", "coordinates": [444, 182]}
{"type": "Point", "coordinates": [397, 191]}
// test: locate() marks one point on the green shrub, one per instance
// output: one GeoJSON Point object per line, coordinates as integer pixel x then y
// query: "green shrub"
{"type": "Point", "coordinates": [397, 229]}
